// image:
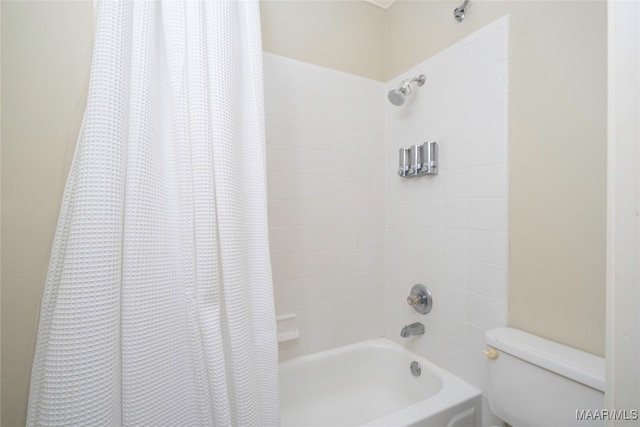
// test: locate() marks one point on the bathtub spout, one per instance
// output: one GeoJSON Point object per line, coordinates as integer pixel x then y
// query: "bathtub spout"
{"type": "Point", "coordinates": [412, 329]}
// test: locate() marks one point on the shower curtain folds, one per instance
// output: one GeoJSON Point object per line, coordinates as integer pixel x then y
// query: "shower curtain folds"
{"type": "Point", "coordinates": [158, 305]}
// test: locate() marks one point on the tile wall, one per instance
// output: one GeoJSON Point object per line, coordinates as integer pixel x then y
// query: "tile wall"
{"type": "Point", "coordinates": [326, 191]}
{"type": "Point", "coordinates": [349, 237]}
{"type": "Point", "coordinates": [449, 231]}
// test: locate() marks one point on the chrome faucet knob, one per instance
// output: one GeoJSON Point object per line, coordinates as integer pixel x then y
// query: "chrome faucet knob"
{"type": "Point", "coordinates": [414, 300]}
{"type": "Point", "coordinates": [420, 299]}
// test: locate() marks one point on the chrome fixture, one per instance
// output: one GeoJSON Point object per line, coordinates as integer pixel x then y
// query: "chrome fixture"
{"type": "Point", "coordinates": [420, 299]}
{"type": "Point", "coordinates": [412, 329]}
{"type": "Point", "coordinates": [415, 369]}
{"type": "Point", "coordinates": [404, 162]}
{"type": "Point", "coordinates": [430, 158]}
{"type": "Point", "coordinates": [397, 96]}
{"type": "Point", "coordinates": [418, 160]}
{"type": "Point", "coordinates": [459, 12]}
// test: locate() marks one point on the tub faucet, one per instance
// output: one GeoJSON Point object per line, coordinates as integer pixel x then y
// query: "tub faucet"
{"type": "Point", "coordinates": [412, 329]}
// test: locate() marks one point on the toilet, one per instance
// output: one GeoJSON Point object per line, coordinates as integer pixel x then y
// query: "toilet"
{"type": "Point", "coordinates": [536, 382]}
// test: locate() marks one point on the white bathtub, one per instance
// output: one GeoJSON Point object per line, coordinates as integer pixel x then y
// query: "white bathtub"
{"type": "Point", "coordinates": [370, 383]}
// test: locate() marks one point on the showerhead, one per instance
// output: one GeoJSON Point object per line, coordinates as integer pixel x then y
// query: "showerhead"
{"type": "Point", "coordinates": [398, 96]}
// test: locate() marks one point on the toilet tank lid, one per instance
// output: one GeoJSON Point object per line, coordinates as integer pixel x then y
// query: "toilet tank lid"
{"type": "Point", "coordinates": [578, 365]}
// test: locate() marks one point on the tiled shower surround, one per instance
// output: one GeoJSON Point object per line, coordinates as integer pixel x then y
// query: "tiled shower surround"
{"type": "Point", "coordinates": [326, 189]}
{"type": "Point", "coordinates": [349, 238]}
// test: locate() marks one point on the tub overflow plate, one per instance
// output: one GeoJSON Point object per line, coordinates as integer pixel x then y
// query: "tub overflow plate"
{"type": "Point", "coordinates": [416, 369]}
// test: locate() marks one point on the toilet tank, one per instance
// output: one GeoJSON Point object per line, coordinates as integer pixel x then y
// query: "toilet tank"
{"type": "Point", "coordinates": [537, 382]}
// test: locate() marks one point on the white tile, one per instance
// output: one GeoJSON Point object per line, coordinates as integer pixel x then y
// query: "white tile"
{"type": "Point", "coordinates": [310, 187]}
{"type": "Point", "coordinates": [344, 163]}
{"type": "Point", "coordinates": [368, 189]}
{"type": "Point", "coordinates": [278, 75]}
{"type": "Point", "coordinates": [345, 139]}
{"type": "Point", "coordinates": [287, 213]}
{"type": "Point", "coordinates": [368, 305]}
{"type": "Point", "coordinates": [452, 330]}
{"type": "Point", "coordinates": [331, 312]}
{"type": "Point", "coordinates": [289, 294]}
{"type": "Point", "coordinates": [455, 95]}
{"type": "Point", "coordinates": [342, 262]}
{"type": "Point", "coordinates": [343, 89]}
{"type": "Point", "coordinates": [277, 240]}
{"type": "Point", "coordinates": [452, 272]}
{"type": "Point", "coordinates": [429, 213]}
{"type": "Point", "coordinates": [482, 214]}
{"type": "Point", "coordinates": [482, 278]}
{"type": "Point", "coordinates": [450, 301]}
{"type": "Point", "coordinates": [327, 337]}
{"type": "Point", "coordinates": [488, 82]}
{"type": "Point", "coordinates": [278, 267]}
{"type": "Point", "coordinates": [370, 213]}
{"type": "Point", "coordinates": [454, 213]}
{"type": "Point", "coordinates": [474, 337]}
{"type": "Point", "coordinates": [316, 135]}
{"type": "Point", "coordinates": [344, 115]}
{"type": "Point", "coordinates": [307, 264]}
{"type": "Point", "coordinates": [343, 238]}
{"type": "Point", "coordinates": [502, 283]}
{"type": "Point", "coordinates": [457, 125]}
{"type": "Point", "coordinates": [321, 289]}
{"type": "Point", "coordinates": [308, 239]}
{"type": "Point", "coordinates": [485, 116]}
{"type": "Point", "coordinates": [481, 246]}
{"type": "Point", "coordinates": [487, 148]}
{"type": "Point", "coordinates": [453, 155]}
{"type": "Point", "coordinates": [332, 213]}
{"type": "Point", "coordinates": [502, 214]}
{"type": "Point", "coordinates": [455, 184]}
{"type": "Point", "coordinates": [368, 259]}
{"type": "Point", "coordinates": [371, 236]}
{"type": "Point", "coordinates": [311, 109]}
{"type": "Point", "coordinates": [453, 64]}
{"type": "Point", "coordinates": [280, 132]}
{"type": "Point", "coordinates": [454, 242]}
{"type": "Point", "coordinates": [369, 166]}
{"type": "Point", "coordinates": [369, 282]}
{"type": "Point", "coordinates": [486, 312]}
{"type": "Point", "coordinates": [368, 328]}
{"type": "Point", "coordinates": [501, 249]}
{"type": "Point", "coordinates": [486, 181]}
{"type": "Point", "coordinates": [279, 104]}
{"type": "Point", "coordinates": [487, 50]}
{"type": "Point", "coordinates": [369, 142]}
{"type": "Point", "coordinates": [316, 83]}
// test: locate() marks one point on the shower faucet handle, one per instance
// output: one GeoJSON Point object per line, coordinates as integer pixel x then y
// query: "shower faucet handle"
{"type": "Point", "coordinates": [414, 300]}
{"type": "Point", "coordinates": [420, 299]}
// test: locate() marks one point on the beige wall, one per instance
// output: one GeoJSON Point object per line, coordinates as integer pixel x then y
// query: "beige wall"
{"type": "Point", "coordinates": [46, 52]}
{"type": "Point", "coordinates": [557, 151]}
{"type": "Point", "coordinates": [343, 35]}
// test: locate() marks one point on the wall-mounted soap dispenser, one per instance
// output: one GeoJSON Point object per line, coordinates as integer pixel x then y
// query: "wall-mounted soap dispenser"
{"type": "Point", "coordinates": [418, 160]}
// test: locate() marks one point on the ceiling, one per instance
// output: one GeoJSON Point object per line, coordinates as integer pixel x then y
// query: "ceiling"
{"type": "Point", "coordinates": [381, 3]}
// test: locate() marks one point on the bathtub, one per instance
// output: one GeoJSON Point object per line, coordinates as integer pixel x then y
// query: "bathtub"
{"type": "Point", "coordinates": [371, 384]}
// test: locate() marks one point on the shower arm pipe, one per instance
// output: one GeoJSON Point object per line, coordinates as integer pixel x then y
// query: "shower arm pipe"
{"type": "Point", "coordinates": [419, 80]}
{"type": "Point", "coordinates": [458, 13]}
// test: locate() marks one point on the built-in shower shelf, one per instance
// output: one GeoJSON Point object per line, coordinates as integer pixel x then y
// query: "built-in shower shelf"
{"type": "Point", "coordinates": [287, 327]}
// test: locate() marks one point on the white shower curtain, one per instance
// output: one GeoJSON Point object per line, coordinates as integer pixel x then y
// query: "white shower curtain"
{"type": "Point", "coordinates": [158, 307]}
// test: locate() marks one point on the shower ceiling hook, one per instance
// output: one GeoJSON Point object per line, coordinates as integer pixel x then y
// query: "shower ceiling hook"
{"type": "Point", "coordinates": [459, 12]}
